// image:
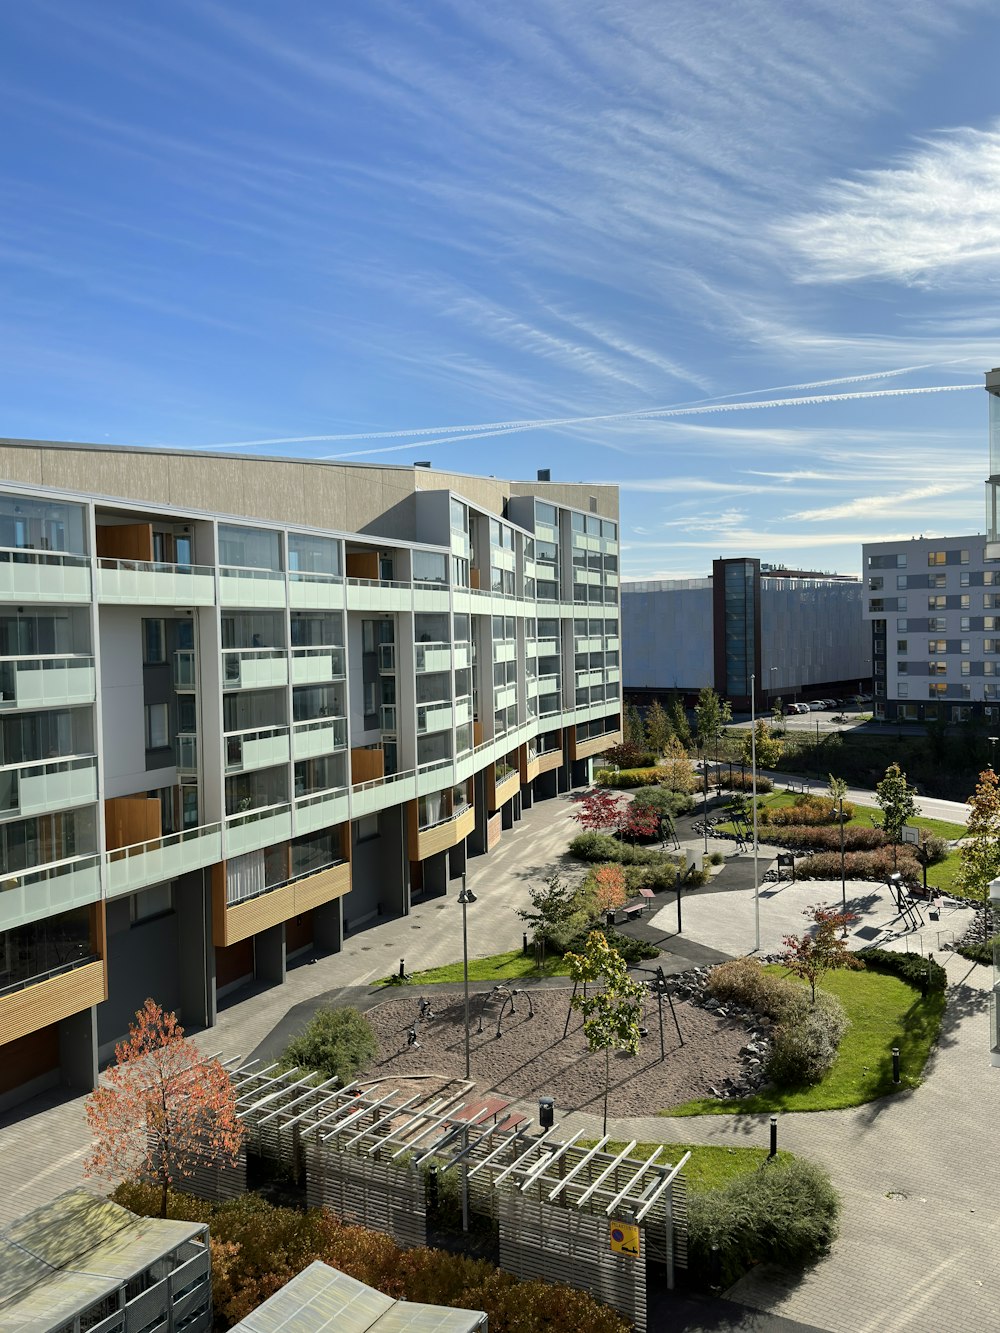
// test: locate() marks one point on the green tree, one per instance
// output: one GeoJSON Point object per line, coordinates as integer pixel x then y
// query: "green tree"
{"type": "Point", "coordinates": [677, 769]}
{"type": "Point", "coordinates": [679, 720]}
{"type": "Point", "coordinates": [611, 1014]}
{"type": "Point", "coordinates": [635, 731]}
{"type": "Point", "coordinates": [557, 912]}
{"type": "Point", "coordinates": [658, 728]}
{"type": "Point", "coordinates": [711, 714]}
{"type": "Point", "coordinates": [837, 788]}
{"type": "Point", "coordinates": [896, 797]}
{"type": "Point", "coordinates": [778, 714]}
{"type": "Point", "coordinates": [769, 748]}
{"type": "Point", "coordinates": [980, 851]}
{"type": "Point", "coordinates": [814, 953]}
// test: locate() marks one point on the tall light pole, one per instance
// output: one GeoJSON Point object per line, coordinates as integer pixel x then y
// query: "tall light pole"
{"type": "Point", "coordinates": [753, 781]}
{"type": "Point", "coordinates": [465, 898]}
{"type": "Point", "coordinates": [843, 877]}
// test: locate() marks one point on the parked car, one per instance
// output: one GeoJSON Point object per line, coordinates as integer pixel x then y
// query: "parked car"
{"type": "Point", "coordinates": [798, 708]}
{"type": "Point", "coordinates": [817, 705]}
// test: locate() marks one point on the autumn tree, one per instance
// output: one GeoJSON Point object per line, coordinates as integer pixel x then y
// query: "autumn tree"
{"type": "Point", "coordinates": [677, 771]}
{"type": "Point", "coordinates": [980, 850]}
{"type": "Point", "coordinates": [161, 1108]}
{"type": "Point", "coordinates": [896, 797]}
{"type": "Point", "coordinates": [607, 886]}
{"type": "Point", "coordinates": [769, 748]}
{"type": "Point", "coordinates": [598, 810]}
{"type": "Point", "coordinates": [612, 1013]}
{"type": "Point", "coordinates": [639, 821]}
{"type": "Point", "coordinates": [658, 728]}
{"type": "Point", "coordinates": [821, 950]}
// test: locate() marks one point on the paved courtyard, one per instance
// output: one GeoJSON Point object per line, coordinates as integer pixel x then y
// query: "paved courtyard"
{"type": "Point", "coordinates": [919, 1238]}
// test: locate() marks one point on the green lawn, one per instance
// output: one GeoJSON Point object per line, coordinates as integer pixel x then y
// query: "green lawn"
{"type": "Point", "coordinates": [711, 1165]}
{"type": "Point", "coordinates": [884, 1012]}
{"type": "Point", "coordinates": [945, 875]}
{"type": "Point", "coordinates": [862, 818]}
{"type": "Point", "coordinates": [498, 967]}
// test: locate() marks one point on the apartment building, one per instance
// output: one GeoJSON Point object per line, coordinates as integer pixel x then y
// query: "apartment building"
{"type": "Point", "coordinates": [250, 705]}
{"type": "Point", "coordinates": [791, 633]}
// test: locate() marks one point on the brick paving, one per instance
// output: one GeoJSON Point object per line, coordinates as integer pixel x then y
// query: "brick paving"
{"type": "Point", "coordinates": [919, 1232]}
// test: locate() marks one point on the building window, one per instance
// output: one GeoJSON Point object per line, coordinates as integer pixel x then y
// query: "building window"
{"type": "Point", "coordinates": [367, 828]}
{"type": "Point", "coordinates": [903, 668]}
{"type": "Point", "coordinates": [157, 726]}
{"type": "Point", "coordinates": [966, 668]}
{"type": "Point", "coordinates": [937, 625]}
{"type": "Point", "coordinates": [990, 602]}
{"type": "Point", "coordinates": [963, 579]}
{"type": "Point", "coordinates": [989, 668]}
{"type": "Point", "coordinates": [965, 625]}
{"type": "Point", "coordinates": [937, 646]}
{"type": "Point", "coordinates": [937, 581]}
{"type": "Point", "coordinates": [936, 557]}
{"type": "Point", "coordinates": [877, 584]}
{"type": "Point", "coordinates": [963, 602]}
{"type": "Point", "coordinates": [937, 603]}
{"type": "Point", "coordinates": [900, 580]}
{"type": "Point", "coordinates": [963, 557]}
{"type": "Point", "coordinates": [901, 625]}
{"type": "Point", "coordinates": [150, 903]}
{"type": "Point", "coordinates": [937, 668]}
{"type": "Point", "coordinates": [936, 688]}
{"type": "Point", "coordinates": [988, 578]}
{"type": "Point", "coordinates": [902, 646]}
{"type": "Point", "coordinates": [964, 647]}
{"type": "Point", "coordinates": [902, 689]}
{"type": "Point", "coordinates": [154, 642]}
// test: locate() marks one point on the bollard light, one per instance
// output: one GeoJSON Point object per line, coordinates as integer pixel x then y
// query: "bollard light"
{"type": "Point", "coordinates": [546, 1112]}
{"type": "Point", "coordinates": [895, 1064]}
{"type": "Point", "coordinates": [774, 1137]}
{"type": "Point", "coordinates": [402, 969]}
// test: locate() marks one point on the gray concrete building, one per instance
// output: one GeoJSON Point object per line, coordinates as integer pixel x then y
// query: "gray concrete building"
{"type": "Point", "coordinates": [249, 705]}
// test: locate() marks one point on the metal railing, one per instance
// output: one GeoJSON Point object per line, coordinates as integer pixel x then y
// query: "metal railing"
{"type": "Point", "coordinates": [154, 566]}
{"type": "Point", "coordinates": [164, 841]}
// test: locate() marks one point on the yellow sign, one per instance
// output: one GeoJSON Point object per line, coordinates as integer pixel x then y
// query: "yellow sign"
{"type": "Point", "coordinates": [625, 1239]}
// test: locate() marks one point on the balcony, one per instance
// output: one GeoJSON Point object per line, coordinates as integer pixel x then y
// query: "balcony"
{"type": "Point", "coordinates": [316, 666]}
{"type": "Point", "coordinates": [27, 895]}
{"type": "Point", "coordinates": [321, 810]}
{"type": "Point", "coordinates": [315, 592]}
{"type": "Point", "coordinates": [378, 595]}
{"type": "Point", "coordinates": [57, 784]}
{"type": "Point", "coordinates": [46, 682]}
{"type": "Point", "coordinates": [547, 647]}
{"type": "Point", "coordinates": [504, 651]}
{"type": "Point", "coordinates": [251, 587]}
{"type": "Point", "coordinates": [432, 657]}
{"type": "Point", "coordinates": [249, 831]}
{"type": "Point", "coordinates": [505, 696]}
{"type": "Point", "coordinates": [462, 656]}
{"type": "Point", "coordinates": [187, 752]}
{"type": "Point", "coordinates": [324, 736]}
{"type": "Point", "coordinates": [132, 868]}
{"type": "Point", "coordinates": [54, 995]}
{"type": "Point", "coordinates": [250, 750]}
{"type": "Point", "coordinates": [502, 782]}
{"type": "Point", "coordinates": [463, 710]}
{"type": "Point", "coordinates": [434, 717]}
{"type": "Point", "coordinates": [43, 576]}
{"type": "Point", "coordinates": [254, 668]}
{"type": "Point", "coordinates": [428, 841]}
{"type": "Point", "coordinates": [235, 921]}
{"type": "Point", "coordinates": [151, 583]}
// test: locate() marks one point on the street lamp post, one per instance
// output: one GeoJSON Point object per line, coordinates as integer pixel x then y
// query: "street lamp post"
{"type": "Point", "coordinates": [753, 783]}
{"type": "Point", "coordinates": [843, 877]}
{"type": "Point", "coordinates": [465, 898]}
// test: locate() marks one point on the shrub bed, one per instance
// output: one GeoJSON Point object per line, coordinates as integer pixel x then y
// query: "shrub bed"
{"type": "Point", "coordinates": [811, 810]}
{"type": "Point", "coordinates": [628, 777]}
{"type": "Point", "coordinates": [633, 951]}
{"type": "Point", "coordinates": [924, 973]}
{"type": "Point", "coordinates": [826, 838]}
{"type": "Point", "coordinates": [977, 952]}
{"type": "Point", "coordinates": [664, 801]}
{"type": "Point", "coordinates": [662, 877]}
{"type": "Point", "coordinates": [257, 1248]}
{"type": "Point", "coordinates": [858, 865]}
{"type": "Point", "coordinates": [597, 847]}
{"type": "Point", "coordinates": [785, 1213]}
{"type": "Point", "coordinates": [744, 782]}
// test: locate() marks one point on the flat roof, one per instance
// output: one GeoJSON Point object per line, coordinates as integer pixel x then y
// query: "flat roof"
{"type": "Point", "coordinates": [321, 1299]}
{"type": "Point", "coordinates": [76, 1250]}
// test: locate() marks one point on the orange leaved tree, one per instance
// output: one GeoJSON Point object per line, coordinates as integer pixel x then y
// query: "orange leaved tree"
{"type": "Point", "coordinates": [608, 883]}
{"type": "Point", "coordinates": [161, 1108]}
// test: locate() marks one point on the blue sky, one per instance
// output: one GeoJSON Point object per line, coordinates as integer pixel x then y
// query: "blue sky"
{"type": "Point", "coordinates": [336, 226]}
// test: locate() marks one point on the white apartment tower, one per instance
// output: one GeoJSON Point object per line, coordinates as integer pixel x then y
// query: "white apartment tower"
{"type": "Point", "coordinates": [249, 705]}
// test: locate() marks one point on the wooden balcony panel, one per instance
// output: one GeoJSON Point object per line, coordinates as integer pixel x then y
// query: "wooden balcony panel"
{"type": "Point", "coordinates": [334, 882]}
{"type": "Point", "coordinates": [35, 1007]}
{"type": "Point", "coordinates": [597, 745]}
{"type": "Point", "coordinates": [427, 842]}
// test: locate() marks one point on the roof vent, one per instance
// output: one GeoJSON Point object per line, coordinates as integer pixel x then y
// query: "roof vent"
{"type": "Point", "coordinates": [544, 474]}
{"type": "Point", "coordinates": [425, 463]}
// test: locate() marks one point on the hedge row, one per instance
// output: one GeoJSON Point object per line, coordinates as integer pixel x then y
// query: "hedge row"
{"type": "Point", "coordinates": [807, 810]}
{"type": "Point", "coordinates": [628, 777]}
{"type": "Point", "coordinates": [923, 973]}
{"type": "Point", "coordinates": [819, 838]}
{"type": "Point", "coordinates": [602, 847]}
{"type": "Point", "coordinates": [744, 782]}
{"type": "Point", "coordinates": [859, 865]}
{"type": "Point", "coordinates": [257, 1248]}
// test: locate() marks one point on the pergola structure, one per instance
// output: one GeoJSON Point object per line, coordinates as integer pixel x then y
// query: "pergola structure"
{"type": "Point", "coordinates": [566, 1212]}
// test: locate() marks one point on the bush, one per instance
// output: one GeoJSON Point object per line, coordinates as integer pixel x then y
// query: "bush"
{"type": "Point", "coordinates": [744, 981]}
{"type": "Point", "coordinates": [257, 1248]}
{"type": "Point", "coordinates": [633, 951]}
{"type": "Point", "coordinates": [627, 777]}
{"type": "Point", "coordinates": [923, 973]}
{"type": "Point", "coordinates": [808, 810]}
{"type": "Point", "coordinates": [805, 1044]}
{"type": "Point", "coordinates": [826, 838]}
{"type": "Point", "coordinates": [978, 952]}
{"type": "Point", "coordinates": [858, 865]}
{"type": "Point", "coordinates": [337, 1043]}
{"type": "Point", "coordinates": [664, 801]}
{"type": "Point", "coordinates": [603, 847]}
{"type": "Point", "coordinates": [785, 1213]}
{"type": "Point", "coordinates": [744, 782]}
{"type": "Point", "coordinates": [716, 858]}
{"type": "Point", "coordinates": [664, 876]}
{"type": "Point", "coordinates": [629, 755]}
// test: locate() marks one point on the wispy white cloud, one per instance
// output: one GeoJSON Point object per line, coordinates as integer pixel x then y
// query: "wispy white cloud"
{"type": "Point", "coordinates": [874, 506]}
{"type": "Point", "coordinates": [931, 218]}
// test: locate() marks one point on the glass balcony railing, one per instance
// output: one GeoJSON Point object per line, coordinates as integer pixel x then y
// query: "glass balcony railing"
{"type": "Point", "coordinates": [187, 752]}
{"type": "Point", "coordinates": [154, 582]}
{"type": "Point", "coordinates": [316, 666]}
{"type": "Point", "coordinates": [131, 868]}
{"type": "Point", "coordinates": [251, 587]}
{"type": "Point", "coordinates": [432, 657]}
{"type": "Point", "coordinates": [185, 674]}
{"type": "Point", "coordinates": [43, 576]}
{"type": "Point", "coordinates": [57, 784]}
{"type": "Point", "coordinates": [249, 750]}
{"type": "Point", "coordinates": [37, 682]}
{"type": "Point", "coordinates": [322, 736]}
{"type": "Point", "coordinates": [434, 717]}
{"type": "Point", "coordinates": [254, 668]}
{"type": "Point", "coordinates": [28, 895]}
